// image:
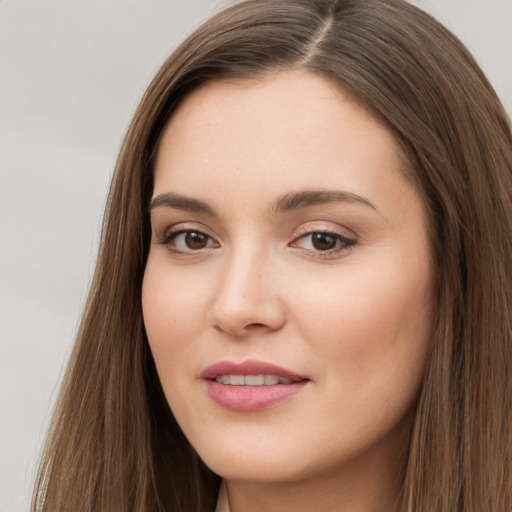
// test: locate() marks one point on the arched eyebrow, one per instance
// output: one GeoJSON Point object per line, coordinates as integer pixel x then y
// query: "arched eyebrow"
{"type": "Point", "coordinates": [286, 203]}
{"type": "Point", "coordinates": [298, 200]}
{"type": "Point", "coordinates": [181, 202]}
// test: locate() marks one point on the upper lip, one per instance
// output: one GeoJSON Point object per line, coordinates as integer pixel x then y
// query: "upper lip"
{"type": "Point", "coordinates": [249, 367]}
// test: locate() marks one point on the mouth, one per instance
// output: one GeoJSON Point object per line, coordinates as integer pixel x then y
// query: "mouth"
{"type": "Point", "coordinates": [253, 380]}
{"type": "Point", "coordinates": [251, 385]}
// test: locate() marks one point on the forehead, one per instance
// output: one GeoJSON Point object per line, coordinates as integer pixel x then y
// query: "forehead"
{"type": "Point", "coordinates": [287, 103]}
{"type": "Point", "coordinates": [292, 129]}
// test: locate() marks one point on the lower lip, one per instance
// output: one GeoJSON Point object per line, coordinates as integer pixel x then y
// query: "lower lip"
{"type": "Point", "coordinates": [251, 398]}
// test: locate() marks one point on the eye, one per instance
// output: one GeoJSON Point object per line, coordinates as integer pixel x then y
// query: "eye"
{"type": "Point", "coordinates": [325, 242]}
{"type": "Point", "coordinates": [188, 240]}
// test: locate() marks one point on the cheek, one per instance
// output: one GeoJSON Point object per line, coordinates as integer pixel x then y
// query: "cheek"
{"type": "Point", "coordinates": [173, 312]}
{"type": "Point", "coordinates": [174, 319]}
{"type": "Point", "coordinates": [369, 323]}
{"type": "Point", "coordinates": [369, 346]}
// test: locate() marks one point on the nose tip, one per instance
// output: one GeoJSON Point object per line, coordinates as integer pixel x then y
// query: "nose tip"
{"type": "Point", "coordinates": [246, 302]}
{"type": "Point", "coordinates": [244, 317]}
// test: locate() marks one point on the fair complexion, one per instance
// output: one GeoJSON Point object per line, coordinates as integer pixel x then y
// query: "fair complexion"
{"type": "Point", "coordinates": [284, 232]}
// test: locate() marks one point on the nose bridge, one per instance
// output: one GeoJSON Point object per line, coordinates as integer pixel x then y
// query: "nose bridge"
{"type": "Point", "coordinates": [247, 294]}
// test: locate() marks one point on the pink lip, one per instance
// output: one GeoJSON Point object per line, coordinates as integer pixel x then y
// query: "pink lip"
{"type": "Point", "coordinates": [250, 398]}
{"type": "Point", "coordinates": [249, 367]}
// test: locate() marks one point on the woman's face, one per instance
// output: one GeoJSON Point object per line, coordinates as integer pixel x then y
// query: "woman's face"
{"type": "Point", "coordinates": [287, 292]}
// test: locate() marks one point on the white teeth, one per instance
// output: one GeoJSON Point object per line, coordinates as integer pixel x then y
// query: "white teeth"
{"type": "Point", "coordinates": [237, 380]}
{"type": "Point", "coordinates": [252, 380]}
{"type": "Point", "coordinates": [271, 380]}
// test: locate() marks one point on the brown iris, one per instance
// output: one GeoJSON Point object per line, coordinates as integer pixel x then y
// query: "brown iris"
{"type": "Point", "coordinates": [323, 241]}
{"type": "Point", "coordinates": [196, 240]}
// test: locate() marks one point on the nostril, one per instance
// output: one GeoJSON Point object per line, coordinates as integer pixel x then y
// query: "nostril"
{"type": "Point", "coordinates": [255, 326]}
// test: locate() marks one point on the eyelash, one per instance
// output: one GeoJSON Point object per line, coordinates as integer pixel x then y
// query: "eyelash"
{"type": "Point", "coordinates": [346, 244]}
{"type": "Point", "coordinates": [176, 231]}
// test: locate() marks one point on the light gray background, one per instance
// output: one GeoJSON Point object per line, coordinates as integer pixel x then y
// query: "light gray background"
{"type": "Point", "coordinates": [71, 74]}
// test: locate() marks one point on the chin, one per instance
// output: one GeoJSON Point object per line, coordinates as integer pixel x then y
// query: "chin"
{"type": "Point", "coordinates": [264, 469]}
{"type": "Point", "coordinates": [258, 453]}
{"type": "Point", "coordinates": [268, 460]}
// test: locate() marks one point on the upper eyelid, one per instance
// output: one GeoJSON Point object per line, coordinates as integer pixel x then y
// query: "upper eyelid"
{"type": "Point", "coordinates": [185, 226]}
{"type": "Point", "coordinates": [328, 227]}
{"type": "Point", "coordinates": [177, 228]}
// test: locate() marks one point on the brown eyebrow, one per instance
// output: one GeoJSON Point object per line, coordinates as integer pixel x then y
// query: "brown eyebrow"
{"type": "Point", "coordinates": [180, 202]}
{"type": "Point", "coordinates": [286, 203]}
{"type": "Point", "coordinates": [297, 200]}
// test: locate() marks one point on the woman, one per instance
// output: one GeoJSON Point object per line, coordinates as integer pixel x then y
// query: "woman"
{"type": "Point", "coordinates": [303, 290]}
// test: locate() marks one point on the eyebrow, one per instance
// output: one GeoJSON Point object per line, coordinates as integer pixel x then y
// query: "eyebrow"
{"type": "Point", "coordinates": [286, 203]}
{"type": "Point", "coordinates": [298, 200]}
{"type": "Point", "coordinates": [180, 202]}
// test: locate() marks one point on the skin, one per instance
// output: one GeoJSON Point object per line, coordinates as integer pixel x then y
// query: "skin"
{"type": "Point", "coordinates": [355, 319]}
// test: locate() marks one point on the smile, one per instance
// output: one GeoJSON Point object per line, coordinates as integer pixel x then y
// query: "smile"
{"type": "Point", "coordinates": [251, 385]}
{"type": "Point", "coordinates": [253, 380]}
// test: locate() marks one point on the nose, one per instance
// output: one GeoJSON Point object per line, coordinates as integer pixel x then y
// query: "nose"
{"type": "Point", "coordinates": [248, 297]}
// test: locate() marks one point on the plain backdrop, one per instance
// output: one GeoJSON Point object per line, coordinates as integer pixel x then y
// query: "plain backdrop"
{"type": "Point", "coordinates": [71, 74]}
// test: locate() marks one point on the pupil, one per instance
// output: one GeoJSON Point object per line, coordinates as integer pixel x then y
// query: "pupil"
{"type": "Point", "coordinates": [195, 240]}
{"type": "Point", "coordinates": [323, 241]}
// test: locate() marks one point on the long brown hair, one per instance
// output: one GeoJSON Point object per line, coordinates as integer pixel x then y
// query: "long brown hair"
{"type": "Point", "coordinates": [114, 444]}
